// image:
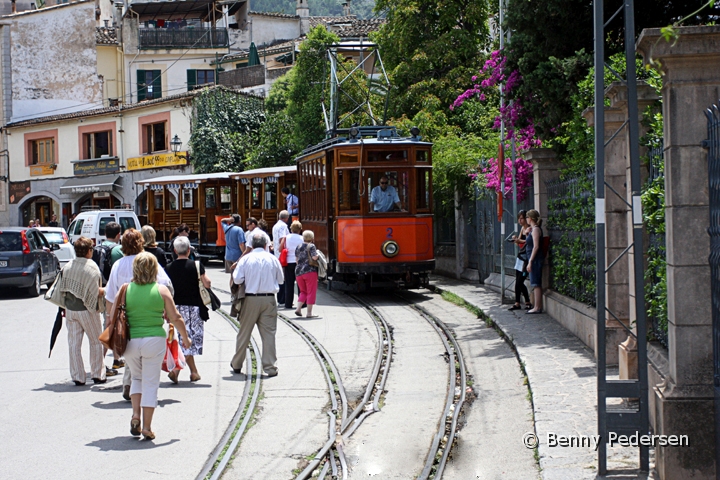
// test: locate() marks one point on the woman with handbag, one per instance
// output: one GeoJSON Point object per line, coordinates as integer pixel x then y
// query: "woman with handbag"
{"type": "Point", "coordinates": [145, 303]}
{"type": "Point", "coordinates": [533, 247]}
{"type": "Point", "coordinates": [306, 273]}
{"type": "Point", "coordinates": [186, 276]}
{"type": "Point", "coordinates": [81, 290]}
{"type": "Point", "coordinates": [290, 243]}
{"type": "Point", "coordinates": [521, 264]}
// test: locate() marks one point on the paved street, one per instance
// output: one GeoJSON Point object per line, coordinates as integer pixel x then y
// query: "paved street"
{"type": "Point", "coordinates": [59, 430]}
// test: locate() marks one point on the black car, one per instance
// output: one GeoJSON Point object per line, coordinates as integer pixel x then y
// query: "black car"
{"type": "Point", "coordinates": [26, 259]}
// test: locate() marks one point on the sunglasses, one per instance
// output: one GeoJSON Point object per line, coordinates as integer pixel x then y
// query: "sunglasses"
{"type": "Point", "coordinates": [383, 183]}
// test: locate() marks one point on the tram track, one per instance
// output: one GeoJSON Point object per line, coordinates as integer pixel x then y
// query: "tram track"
{"type": "Point", "coordinates": [220, 457]}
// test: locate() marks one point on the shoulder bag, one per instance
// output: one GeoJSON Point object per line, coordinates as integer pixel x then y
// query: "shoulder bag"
{"type": "Point", "coordinates": [53, 294]}
{"type": "Point", "coordinates": [203, 291]}
{"type": "Point", "coordinates": [115, 337]}
{"type": "Point", "coordinates": [313, 263]}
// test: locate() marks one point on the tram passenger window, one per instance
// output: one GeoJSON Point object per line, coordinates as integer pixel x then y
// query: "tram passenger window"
{"type": "Point", "coordinates": [256, 195]}
{"type": "Point", "coordinates": [247, 196]}
{"type": "Point", "coordinates": [158, 200]}
{"type": "Point", "coordinates": [210, 197]}
{"type": "Point", "coordinates": [348, 157]}
{"type": "Point", "coordinates": [387, 156]}
{"type": "Point", "coordinates": [422, 156]}
{"type": "Point", "coordinates": [225, 200]}
{"type": "Point", "coordinates": [270, 196]}
{"type": "Point", "coordinates": [173, 200]}
{"type": "Point", "coordinates": [387, 189]}
{"type": "Point", "coordinates": [348, 190]}
{"type": "Point", "coordinates": [423, 190]}
{"type": "Point", "coordinates": [188, 198]}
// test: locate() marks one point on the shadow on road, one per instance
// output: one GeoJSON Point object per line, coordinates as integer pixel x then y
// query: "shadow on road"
{"type": "Point", "coordinates": [127, 443]}
{"type": "Point", "coordinates": [124, 404]}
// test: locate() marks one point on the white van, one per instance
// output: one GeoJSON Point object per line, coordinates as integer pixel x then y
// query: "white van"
{"type": "Point", "coordinates": [91, 224]}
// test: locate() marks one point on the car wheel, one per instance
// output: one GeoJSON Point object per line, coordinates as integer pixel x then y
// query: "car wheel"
{"type": "Point", "coordinates": [34, 289]}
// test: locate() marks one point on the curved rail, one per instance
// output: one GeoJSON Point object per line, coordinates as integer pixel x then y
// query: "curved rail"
{"type": "Point", "coordinates": [220, 457]}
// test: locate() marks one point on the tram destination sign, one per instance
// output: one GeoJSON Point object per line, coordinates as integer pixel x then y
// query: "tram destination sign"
{"type": "Point", "coordinates": [159, 160]}
{"type": "Point", "coordinates": [104, 165]}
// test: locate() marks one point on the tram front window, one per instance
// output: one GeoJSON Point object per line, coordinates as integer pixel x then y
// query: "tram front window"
{"type": "Point", "coordinates": [388, 191]}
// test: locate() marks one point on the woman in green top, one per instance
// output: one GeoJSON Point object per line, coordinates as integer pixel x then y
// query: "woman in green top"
{"type": "Point", "coordinates": [146, 301]}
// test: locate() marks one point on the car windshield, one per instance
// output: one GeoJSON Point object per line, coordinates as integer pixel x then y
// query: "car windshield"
{"type": "Point", "coordinates": [54, 237]}
{"type": "Point", "coordinates": [10, 242]}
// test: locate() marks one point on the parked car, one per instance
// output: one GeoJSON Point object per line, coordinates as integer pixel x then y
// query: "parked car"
{"type": "Point", "coordinates": [91, 224]}
{"type": "Point", "coordinates": [58, 236]}
{"type": "Point", "coordinates": [26, 259]}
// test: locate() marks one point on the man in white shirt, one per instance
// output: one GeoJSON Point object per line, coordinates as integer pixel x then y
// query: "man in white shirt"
{"type": "Point", "coordinates": [252, 230]}
{"type": "Point", "coordinates": [262, 275]}
{"type": "Point", "coordinates": [122, 272]}
{"type": "Point", "coordinates": [280, 231]}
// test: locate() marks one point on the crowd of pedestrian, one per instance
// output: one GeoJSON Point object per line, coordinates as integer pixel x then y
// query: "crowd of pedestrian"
{"type": "Point", "coordinates": [159, 292]}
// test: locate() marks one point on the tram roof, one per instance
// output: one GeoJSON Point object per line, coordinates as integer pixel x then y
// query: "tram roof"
{"type": "Point", "coordinates": [264, 172]}
{"type": "Point", "coordinates": [194, 178]}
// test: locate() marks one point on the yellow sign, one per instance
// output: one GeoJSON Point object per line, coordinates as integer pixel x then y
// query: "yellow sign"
{"type": "Point", "coordinates": [37, 170]}
{"type": "Point", "coordinates": [158, 160]}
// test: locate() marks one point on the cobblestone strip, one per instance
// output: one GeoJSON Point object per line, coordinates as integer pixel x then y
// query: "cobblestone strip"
{"type": "Point", "coordinates": [562, 375]}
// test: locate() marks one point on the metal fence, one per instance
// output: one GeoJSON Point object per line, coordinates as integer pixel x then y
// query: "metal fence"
{"type": "Point", "coordinates": [184, 37]}
{"type": "Point", "coordinates": [570, 225]}
{"type": "Point", "coordinates": [243, 77]}
{"type": "Point", "coordinates": [657, 322]}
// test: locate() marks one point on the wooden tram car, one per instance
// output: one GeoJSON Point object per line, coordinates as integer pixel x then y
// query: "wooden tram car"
{"type": "Point", "coordinates": [201, 200]}
{"type": "Point", "coordinates": [392, 249]}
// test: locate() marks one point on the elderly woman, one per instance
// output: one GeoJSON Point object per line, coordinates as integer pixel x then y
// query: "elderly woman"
{"type": "Point", "coordinates": [122, 272]}
{"type": "Point", "coordinates": [184, 274]}
{"type": "Point", "coordinates": [533, 247]}
{"type": "Point", "coordinates": [150, 245]}
{"type": "Point", "coordinates": [81, 285]}
{"type": "Point", "coordinates": [145, 303]}
{"type": "Point", "coordinates": [291, 242]}
{"type": "Point", "coordinates": [306, 275]}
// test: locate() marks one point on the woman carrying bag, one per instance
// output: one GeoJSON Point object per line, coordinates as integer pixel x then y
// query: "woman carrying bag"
{"type": "Point", "coordinates": [306, 274]}
{"type": "Point", "coordinates": [146, 302]}
{"type": "Point", "coordinates": [184, 274]}
{"type": "Point", "coordinates": [521, 264]}
{"type": "Point", "coordinates": [81, 290]}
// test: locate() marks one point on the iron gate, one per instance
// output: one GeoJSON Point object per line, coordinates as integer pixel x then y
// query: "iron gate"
{"type": "Point", "coordinates": [713, 146]}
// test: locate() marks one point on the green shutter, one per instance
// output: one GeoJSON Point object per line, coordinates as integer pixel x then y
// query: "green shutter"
{"type": "Point", "coordinates": [191, 79]}
{"type": "Point", "coordinates": [157, 83]}
{"type": "Point", "coordinates": [141, 88]}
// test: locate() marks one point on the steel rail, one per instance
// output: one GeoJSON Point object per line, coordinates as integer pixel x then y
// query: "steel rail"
{"type": "Point", "coordinates": [234, 433]}
{"type": "Point", "coordinates": [332, 436]}
{"type": "Point", "coordinates": [452, 408]}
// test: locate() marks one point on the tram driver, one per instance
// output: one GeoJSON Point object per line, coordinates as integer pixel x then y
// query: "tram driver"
{"type": "Point", "coordinates": [384, 197]}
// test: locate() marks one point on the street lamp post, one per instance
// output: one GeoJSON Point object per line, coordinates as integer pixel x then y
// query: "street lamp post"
{"type": "Point", "coordinates": [176, 145]}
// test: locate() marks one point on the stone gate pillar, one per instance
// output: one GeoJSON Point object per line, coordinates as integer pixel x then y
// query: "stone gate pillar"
{"type": "Point", "coordinates": [684, 405]}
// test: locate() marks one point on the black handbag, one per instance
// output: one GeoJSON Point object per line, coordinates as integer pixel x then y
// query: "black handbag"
{"type": "Point", "coordinates": [214, 300]}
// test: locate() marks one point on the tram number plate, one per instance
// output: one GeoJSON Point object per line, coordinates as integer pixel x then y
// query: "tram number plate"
{"type": "Point", "coordinates": [3, 263]}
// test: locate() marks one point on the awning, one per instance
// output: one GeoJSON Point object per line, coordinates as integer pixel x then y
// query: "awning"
{"type": "Point", "coordinates": [96, 183]}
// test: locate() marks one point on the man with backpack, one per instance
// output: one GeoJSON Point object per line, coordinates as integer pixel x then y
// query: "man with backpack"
{"type": "Point", "coordinates": [104, 256]}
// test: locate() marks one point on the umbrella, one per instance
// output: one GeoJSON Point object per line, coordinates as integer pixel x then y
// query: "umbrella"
{"type": "Point", "coordinates": [253, 57]}
{"type": "Point", "coordinates": [56, 328]}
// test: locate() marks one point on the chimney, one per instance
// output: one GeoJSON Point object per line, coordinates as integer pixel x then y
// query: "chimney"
{"type": "Point", "coordinates": [14, 7]}
{"type": "Point", "coordinates": [346, 8]}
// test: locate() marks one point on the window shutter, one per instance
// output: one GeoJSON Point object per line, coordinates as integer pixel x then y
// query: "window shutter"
{"type": "Point", "coordinates": [157, 84]}
{"type": "Point", "coordinates": [191, 79]}
{"type": "Point", "coordinates": [141, 87]}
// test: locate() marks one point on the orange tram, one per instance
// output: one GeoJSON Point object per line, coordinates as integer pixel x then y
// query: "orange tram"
{"type": "Point", "coordinates": [369, 203]}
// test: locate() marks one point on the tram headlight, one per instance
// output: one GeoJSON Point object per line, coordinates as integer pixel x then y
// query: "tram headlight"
{"type": "Point", "coordinates": [390, 248]}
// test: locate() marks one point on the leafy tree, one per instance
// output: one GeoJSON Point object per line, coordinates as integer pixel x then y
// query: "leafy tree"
{"type": "Point", "coordinates": [430, 47]}
{"type": "Point", "coordinates": [273, 145]}
{"type": "Point", "coordinates": [224, 123]}
{"type": "Point", "coordinates": [552, 43]}
{"type": "Point", "coordinates": [306, 89]}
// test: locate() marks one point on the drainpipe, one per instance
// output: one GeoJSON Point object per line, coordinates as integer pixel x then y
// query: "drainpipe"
{"type": "Point", "coordinates": [14, 7]}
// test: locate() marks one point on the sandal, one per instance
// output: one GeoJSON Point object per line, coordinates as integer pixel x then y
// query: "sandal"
{"type": "Point", "coordinates": [194, 377]}
{"type": "Point", "coordinates": [173, 376]}
{"type": "Point", "coordinates": [514, 307]}
{"type": "Point", "coordinates": [299, 314]}
{"type": "Point", "coordinates": [529, 306]}
{"type": "Point", "coordinates": [148, 435]}
{"type": "Point", "coordinates": [311, 316]}
{"type": "Point", "coordinates": [135, 427]}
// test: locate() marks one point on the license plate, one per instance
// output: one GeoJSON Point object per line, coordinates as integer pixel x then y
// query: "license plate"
{"type": "Point", "coordinates": [3, 263]}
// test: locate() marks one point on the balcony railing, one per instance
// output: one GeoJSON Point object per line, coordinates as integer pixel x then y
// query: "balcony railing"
{"type": "Point", "coordinates": [243, 77]}
{"type": "Point", "coordinates": [185, 37]}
